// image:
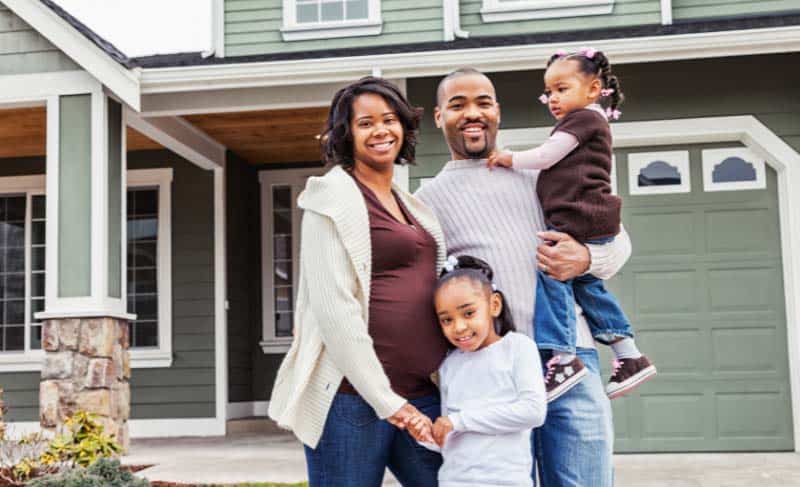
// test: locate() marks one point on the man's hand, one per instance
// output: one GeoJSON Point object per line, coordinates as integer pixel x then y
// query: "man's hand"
{"type": "Point", "coordinates": [561, 256]}
{"type": "Point", "coordinates": [441, 428]}
{"type": "Point", "coordinates": [503, 158]}
{"type": "Point", "coordinates": [420, 428]}
{"type": "Point", "coordinates": [400, 418]}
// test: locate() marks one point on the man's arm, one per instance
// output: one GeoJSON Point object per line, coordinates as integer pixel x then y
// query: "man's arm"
{"type": "Point", "coordinates": [568, 258]}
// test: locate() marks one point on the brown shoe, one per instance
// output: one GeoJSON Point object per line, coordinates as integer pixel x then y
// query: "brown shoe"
{"type": "Point", "coordinates": [628, 375]}
{"type": "Point", "coordinates": [562, 377]}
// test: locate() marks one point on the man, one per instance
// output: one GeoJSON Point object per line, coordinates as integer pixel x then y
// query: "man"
{"type": "Point", "coordinates": [496, 216]}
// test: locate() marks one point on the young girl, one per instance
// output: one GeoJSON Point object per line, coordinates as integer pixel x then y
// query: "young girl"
{"type": "Point", "coordinates": [574, 187]}
{"type": "Point", "coordinates": [492, 392]}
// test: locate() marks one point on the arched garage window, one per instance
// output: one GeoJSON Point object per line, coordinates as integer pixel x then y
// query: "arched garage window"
{"type": "Point", "coordinates": [659, 172]}
{"type": "Point", "coordinates": [733, 169]}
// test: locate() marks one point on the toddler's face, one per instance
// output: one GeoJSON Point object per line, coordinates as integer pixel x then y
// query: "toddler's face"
{"type": "Point", "coordinates": [568, 89]}
{"type": "Point", "coordinates": [466, 313]}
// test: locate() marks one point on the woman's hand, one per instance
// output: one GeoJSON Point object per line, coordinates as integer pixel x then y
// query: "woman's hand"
{"type": "Point", "coordinates": [441, 428]}
{"type": "Point", "coordinates": [401, 418]}
{"type": "Point", "coordinates": [561, 256]}
{"type": "Point", "coordinates": [420, 428]}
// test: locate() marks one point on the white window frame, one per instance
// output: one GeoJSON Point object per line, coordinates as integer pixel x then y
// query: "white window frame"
{"type": "Point", "coordinates": [294, 31]}
{"type": "Point", "coordinates": [31, 360]}
{"type": "Point", "coordinates": [500, 11]}
{"type": "Point", "coordinates": [713, 157]}
{"type": "Point", "coordinates": [639, 160]}
{"type": "Point", "coordinates": [270, 343]}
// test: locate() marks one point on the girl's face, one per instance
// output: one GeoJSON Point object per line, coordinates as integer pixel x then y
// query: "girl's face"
{"type": "Point", "coordinates": [466, 313]}
{"type": "Point", "coordinates": [568, 89]}
{"type": "Point", "coordinates": [377, 132]}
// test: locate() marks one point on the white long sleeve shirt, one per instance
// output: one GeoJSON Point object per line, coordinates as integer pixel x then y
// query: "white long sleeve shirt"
{"type": "Point", "coordinates": [494, 397]}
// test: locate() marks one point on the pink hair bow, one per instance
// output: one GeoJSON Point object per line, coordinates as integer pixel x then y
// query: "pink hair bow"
{"type": "Point", "coordinates": [606, 91]}
{"type": "Point", "coordinates": [561, 53]}
{"type": "Point", "coordinates": [543, 98]}
{"type": "Point", "coordinates": [613, 114]}
{"type": "Point", "coordinates": [588, 51]}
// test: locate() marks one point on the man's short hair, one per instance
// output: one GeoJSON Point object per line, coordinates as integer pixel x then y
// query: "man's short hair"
{"type": "Point", "coordinates": [465, 71]}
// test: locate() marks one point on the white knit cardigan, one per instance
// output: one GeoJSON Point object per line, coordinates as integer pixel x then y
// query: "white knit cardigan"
{"type": "Point", "coordinates": [331, 338]}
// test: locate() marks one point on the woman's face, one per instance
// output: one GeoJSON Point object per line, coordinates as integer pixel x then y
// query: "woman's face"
{"type": "Point", "coordinates": [377, 132]}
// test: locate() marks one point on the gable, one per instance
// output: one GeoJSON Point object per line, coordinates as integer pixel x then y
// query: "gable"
{"type": "Point", "coordinates": [25, 51]}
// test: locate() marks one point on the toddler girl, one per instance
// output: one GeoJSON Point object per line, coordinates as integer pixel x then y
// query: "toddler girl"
{"type": "Point", "coordinates": [492, 392]}
{"type": "Point", "coordinates": [574, 187]}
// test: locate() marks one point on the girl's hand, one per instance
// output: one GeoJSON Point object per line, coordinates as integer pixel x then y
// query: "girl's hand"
{"type": "Point", "coordinates": [441, 428]}
{"type": "Point", "coordinates": [403, 415]}
{"type": "Point", "coordinates": [420, 428]}
{"type": "Point", "coordinates": [503, 159]}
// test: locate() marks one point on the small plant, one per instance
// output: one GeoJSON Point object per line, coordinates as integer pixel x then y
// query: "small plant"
{"type": "Point", "coordinates": [104, 472]}
{"type": "Point", "coordinates": [82, 444]}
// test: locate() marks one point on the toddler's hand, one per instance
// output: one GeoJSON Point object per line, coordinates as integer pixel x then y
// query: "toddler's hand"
{"type": "Point", "coordinates": [441, 428]}
{"type": "Point", "coordinates": [503, 159]}
{"type": "Point", "coordinates": [420, 428]}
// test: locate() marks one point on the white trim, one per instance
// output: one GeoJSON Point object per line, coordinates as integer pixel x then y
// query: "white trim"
{"type": "Point", "coordinates": [181, 137]}
{"type": "Point", "coordinates": [749, 131]}
{"type": "Point", "coordinates": [679, 160]}
{"type": "Point", "coordinates": [497, 11]}
{"type": "Point", "coordinates": [123, 82]}
{"type": "Point", "coordinates": [451, 24]}
{"type": "Point", "coordinates": [666, 12]}
{"type": "Point", "coordinates": [38, 86]}
{"type": "Point", "coordinates": [294, 31]}
{"type": "Point", "coordinates": [51, 175]}
{"type": "Point", "coordinates": [246, 409]}
{"type": "Point", "coordinates": [714, 157]}
{"type": "Point", "coordinates": [488, 59]}
{"type": "Point", "coordinates": [218, 27]}
{"type": "Point", "coordinates": [220, 299]}
{"type": "Point", "coordinates": [142, 428]}
{"type": "Point", "coordinates": [295, 179]}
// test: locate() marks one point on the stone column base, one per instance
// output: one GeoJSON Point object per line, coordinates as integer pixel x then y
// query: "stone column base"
{"type": "Point", "coordinates": [86, 368]}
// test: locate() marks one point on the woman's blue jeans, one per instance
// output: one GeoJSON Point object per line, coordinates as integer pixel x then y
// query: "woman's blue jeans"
{"type": "Point", "coordinates": [356, 448]}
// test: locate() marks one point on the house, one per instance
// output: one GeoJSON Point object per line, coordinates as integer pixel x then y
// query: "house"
{"type": "Point", "coordinates": [203, 157]}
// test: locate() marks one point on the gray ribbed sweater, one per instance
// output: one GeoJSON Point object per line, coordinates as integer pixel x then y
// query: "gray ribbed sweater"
{"type": "Point", "coordinates": [494, 215]}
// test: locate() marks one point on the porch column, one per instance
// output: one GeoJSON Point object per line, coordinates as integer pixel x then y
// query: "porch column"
{"type": "Point", "coordinates": [85, 331]}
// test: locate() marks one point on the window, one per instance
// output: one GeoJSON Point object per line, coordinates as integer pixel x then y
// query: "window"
{"type": "Point", "coordinates": [510, 10]}
{"type": "Point", "coordinates": [322, 19]}
{"type": "Point", "coordinates": [659, 172]}
{"type": "Point", "coordinates": [280, 248]}
{"type": "Point", "coordinates": [733, 169]}
{"type": "Point", "coordinates": [22, 269]}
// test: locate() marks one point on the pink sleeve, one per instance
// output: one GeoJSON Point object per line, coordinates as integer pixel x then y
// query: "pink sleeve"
{"type": "Point", "coordinates": [548, 154]}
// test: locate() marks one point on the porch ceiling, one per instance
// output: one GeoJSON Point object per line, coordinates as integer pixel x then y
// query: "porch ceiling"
{"type": "Point", "coordinates": [23, 133]}
{"type": "Point", "coordinates": [267, 136]}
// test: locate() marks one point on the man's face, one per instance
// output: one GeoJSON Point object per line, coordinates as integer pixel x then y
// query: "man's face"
{"type": "Point", "coordinates": [468, 114]}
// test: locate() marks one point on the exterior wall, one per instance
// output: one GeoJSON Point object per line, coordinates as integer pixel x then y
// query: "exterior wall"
{"type": "Point", "coordinates": [253, 27]}
{"type": "Point", "coordinates": [693, 9]}
{"type": "Point", "coordinates": [759, 85]}
{"type": "Point", "coordinates": [186, 389]}
{"type": "Point", "coordinates": [625, 13]}
{"type": "Point", "coordinates": [23, 50]}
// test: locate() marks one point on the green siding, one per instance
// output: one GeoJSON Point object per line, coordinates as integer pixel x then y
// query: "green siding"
{"type": "Point", "coordinates": [114, 198]}
{"type": "Point", "coordinates": [185, 390]}
{"type": "Point", "coordinates": [75, 196]}
{"type": "Point", "coordinates": [694, 9]}
{"type": "Point", "coordinates": [625, 13]}
{"type": "Point", "coordinates": [23, 50]}
{"type": "Point", "coordinates": [253, 27]}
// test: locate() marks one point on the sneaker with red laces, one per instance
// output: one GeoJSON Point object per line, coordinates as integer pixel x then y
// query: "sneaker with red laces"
{"type": "Point", "coordinates": [560, 378]}
{"type": "Point", "coordinates": [629, 373]}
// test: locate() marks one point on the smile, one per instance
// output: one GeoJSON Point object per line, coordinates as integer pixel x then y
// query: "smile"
{"type": "Point", "coordinates": [473, 130]}
{"type": "Point", "coordinates": [382, 146]}
{"type": "Point", "coordinates": [465, 339]}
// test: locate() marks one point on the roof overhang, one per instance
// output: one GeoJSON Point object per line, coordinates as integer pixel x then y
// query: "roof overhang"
{"type": "Point", "coordinates": [490, 59]}
{"type": "Point", "coordinates": [121, 81]}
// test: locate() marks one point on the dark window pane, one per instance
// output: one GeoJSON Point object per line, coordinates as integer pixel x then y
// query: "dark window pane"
{"type": "Point", "coordinates": [36, 337]}
{"type": "Point", "coordinates": [15, 312]}
{"type": "Point", "coordinates": [37, 305]}
{"type": "Point", "coordinates": [146, 335]}
{"type": "Point", "coordinates": [283, 299]}
{"type": "Point", "coordinates": [146, 202]}
{"type": "Point", "coordinates": [15, 208]}
{"type": "Point", "coordinates": [131, 204]}
{"type": "Point", "coordinates": [146, 308]}
{"type": "Point", "coordinates": [15, 286]}
{"type": "Point", "coordinates": [282, 222]}
{"type": "Point", "coordinates": [283, 273]}
{"type": "Point", "coordinates": [144, 281]}
{"type": "Point", "coordinates": [15, 260]}
{"type": "Point", "coordinates": [15, 234]}
{"type": "Point", "coordinates": [15, 338]}
{"type": "Point", "coordinates": [37, 284]}
{"type": "Point", "coordinates": [38, 233]}
{"type": "Point", "coordinates": [282, 198]}
{"type": "Point", "coordinates": [144, 255]}
{"type": "Point", "coordinates": [38, 207]}
{"type": "Point", "coordinates": [37, 258]}
{"type": "Point", "coordinates": [659, 173]}
{"type": "Point", "coordinates": [283, 324]}
{"type": "Point", "coordinates": [283, 248]}
{"type": "Point", "coordinates": [733, 169]}
{"type": "Point", "coordinates": [142, 229]}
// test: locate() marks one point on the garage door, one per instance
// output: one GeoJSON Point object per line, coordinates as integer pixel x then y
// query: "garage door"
{"type": "Point", "coordinates": [704, 289]}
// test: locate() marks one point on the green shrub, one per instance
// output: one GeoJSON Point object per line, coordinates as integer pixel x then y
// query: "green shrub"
{"type": "Point", "coordinates": [103, 473]}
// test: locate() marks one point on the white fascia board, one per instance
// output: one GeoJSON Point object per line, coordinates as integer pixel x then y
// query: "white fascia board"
{"type": "Point", "coordinates": [489, 59]}
{"type": "Point", "coordinates": [181, 137]}
{"type": "Point", "coordinates": [38, 86]}
{"type": "Point", "coordinates": [123, 82]}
